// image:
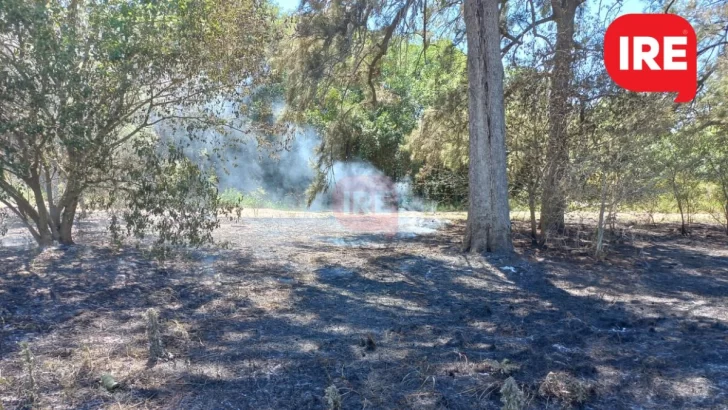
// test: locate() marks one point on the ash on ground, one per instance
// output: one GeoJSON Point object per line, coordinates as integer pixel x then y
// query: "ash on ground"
{"type": "Point", "coordinates": [295, 304]}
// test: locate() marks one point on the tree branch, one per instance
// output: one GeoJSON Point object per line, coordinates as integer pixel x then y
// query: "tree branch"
{"type": "Point", "coordinates": [517, 39]}
{"type": "Point", "coordinates": [389, 31]}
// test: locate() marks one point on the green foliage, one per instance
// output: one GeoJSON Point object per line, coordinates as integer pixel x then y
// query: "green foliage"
{"type": "Point", "coordinates": [173, 199]}
{"type": "Point", "coordinates": [354, 129]}
{"type": "Point", "coordinates": [400, 132]}
{"type": "Point", "coordinates": [353, 72]}
{"type": "Point", "coordinates": [387, 83]}
{"type": "Point", "coordinates": [512, 396]}
{"type": "Point", "coordinates": [256, 199]}
{"type": "Point", "coordinates": [714, 128]}
{"type": "Point", "coordinates": [231, 198]}
{"type": "Point", "coordinates": [440, 140]}
{"type": "Point", "coordinates": [81, 83]}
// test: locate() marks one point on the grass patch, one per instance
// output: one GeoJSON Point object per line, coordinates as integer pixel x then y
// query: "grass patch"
{"type": "Point", "coordinates": [565, 388]}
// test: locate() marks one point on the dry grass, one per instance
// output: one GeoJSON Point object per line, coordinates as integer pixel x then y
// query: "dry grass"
{"type": "Point", "coordinates": [565, 388]}
{"type": "Point", "coordinates": [297, 306]}
{"type": "Point", "coordinates": [154, 336]}
{"type": "Point", "coordinates": [504, 367]}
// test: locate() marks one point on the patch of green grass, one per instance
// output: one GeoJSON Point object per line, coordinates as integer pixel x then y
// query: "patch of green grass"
{"type": "Point", "coordinates": [233, 200]}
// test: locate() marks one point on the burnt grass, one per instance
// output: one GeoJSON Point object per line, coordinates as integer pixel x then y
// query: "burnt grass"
{"type": "Point", "coordinates": [294, 305]}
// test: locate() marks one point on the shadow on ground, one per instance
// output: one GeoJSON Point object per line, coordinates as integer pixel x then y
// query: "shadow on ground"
{"type": "Point", "coordinates": [392, 323]}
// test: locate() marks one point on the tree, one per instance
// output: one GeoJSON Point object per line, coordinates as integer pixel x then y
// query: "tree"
{"type": "Point", "coordinates": [714, 129]}
{"type": "Point", "coordinates": [717, 159]}
{"type": "Point", "coordinates": [527, 125]}
{"type": "Point", "coordinates": [488, 226]}
{"type": "Point", "coordinates": [615, 160]}
{"type": "Point", "coordinates": [346, 77]}
{"type": "Point", "coordinates": [438, 146]}
{"type": "Point", "coordinates": [345, 43]}
{"type": "Point", "coordinates": [553, 203]}
{"type": "Point", "coordinates": [84, 82]}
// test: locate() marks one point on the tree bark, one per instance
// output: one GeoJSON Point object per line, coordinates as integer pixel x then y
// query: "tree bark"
{"type": "Point", "coordinates": [45, 237]}
{"type": "Point", "coordinates": [55, 217]}
{"type": "Point", "coordinates": [67, 218]}
{"type": "Point", "coordinates": [724, 186]}
{"type": "Point", "coordinates": [600, 223]}
{"type": "Point", "coordinates": [488, 226]}
{"type": "Point", "coordinates": [532, 210]}
{"type": "Point", "coordinates": [679, 200]}
{"type": "Point", "coordinates": [67, 209]}
{"type": "Point", "coordinates": [553, 202]}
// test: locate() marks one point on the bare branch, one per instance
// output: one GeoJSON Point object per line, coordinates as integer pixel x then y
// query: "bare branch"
{"type": "Point", "coordinates": [517, 39]}
{"type": "Point", "coordinates": [388, 32]}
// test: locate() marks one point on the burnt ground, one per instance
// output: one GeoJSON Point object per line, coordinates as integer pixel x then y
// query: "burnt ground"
{"type": "Point", "coordinates": [294, 305]}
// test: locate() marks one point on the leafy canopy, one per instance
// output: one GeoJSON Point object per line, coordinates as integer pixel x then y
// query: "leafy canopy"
{"type": "Point", "coordinates": [84, 82]}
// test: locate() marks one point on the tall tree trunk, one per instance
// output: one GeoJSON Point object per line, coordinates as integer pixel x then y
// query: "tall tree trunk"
{"type": "Point", "coordinates": [553, 202]}
{"type": "Point", "coordinates": [488, 227]}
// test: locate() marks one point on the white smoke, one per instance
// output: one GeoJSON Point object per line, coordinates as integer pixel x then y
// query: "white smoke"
{"type": "Point", "coordinates": [407, 200]}
{"type": "Point", "coordinates": [282, 169]}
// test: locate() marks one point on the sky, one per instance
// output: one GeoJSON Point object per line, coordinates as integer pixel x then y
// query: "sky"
{"type": "Point", "coordinates": [287, 5]}
{"type": "Point", "coordinates": [628, 6]}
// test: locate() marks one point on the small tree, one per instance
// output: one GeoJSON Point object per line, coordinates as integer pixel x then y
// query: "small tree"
{"type": "Point", "coordinates": [83, 81]}
{"type": "Point", "coordinates": [714, 127]}
{"type": "Point", "coordinates": [623, 128]}
{"type": "Point", "coordinates": [526, 115]}
{"type": "Point", "coordinates": [716, 171]}
{"type": "Point", "coordinates": [680, 159]}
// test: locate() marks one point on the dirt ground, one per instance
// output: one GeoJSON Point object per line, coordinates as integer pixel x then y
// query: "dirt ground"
{"type": "Point", "coordinates": [295, 304]}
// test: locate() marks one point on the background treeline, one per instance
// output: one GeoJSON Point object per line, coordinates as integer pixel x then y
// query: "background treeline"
{"type": "Point", "coordinates": [143, 107]}
{"type": "Point", "coordinates": [396, 95]}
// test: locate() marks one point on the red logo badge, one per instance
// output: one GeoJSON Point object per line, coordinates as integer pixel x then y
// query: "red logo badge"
{"type": "Point", "coordinates": [654, 53]}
